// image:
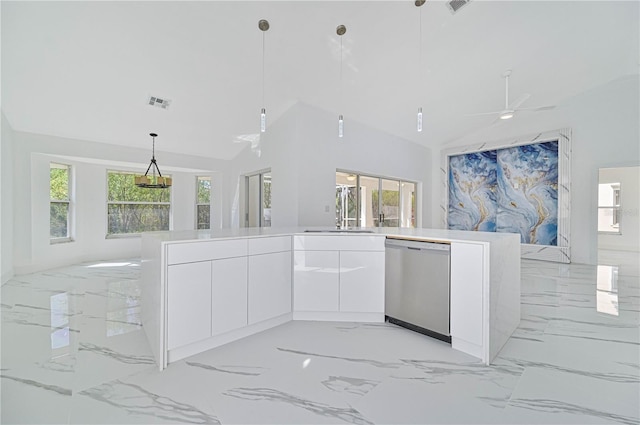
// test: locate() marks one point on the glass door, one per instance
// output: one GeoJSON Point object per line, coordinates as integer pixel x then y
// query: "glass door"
{"type": "Point", "coordinates": [258, 200]}
{"type": "Point", "coordinates": [408, 208]}
{"type": "Point", "coordinates": [369, 188]}
{"type": "Point", "coordinates": [266, 200]}
{"type": "Point", "coordinates": [389, 203]}
{"type": "Point", "coordinates": [346, 200]}
{"type": "Point", "coordinates": [368, 201]}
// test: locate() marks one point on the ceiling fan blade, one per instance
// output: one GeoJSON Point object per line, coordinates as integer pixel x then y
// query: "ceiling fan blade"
{"type": "Point", "coordinates": [482, 113]}
{"type": "Point", "coordinates": [539, 108]}
{"type": "Point", "coordinates": [519, 101]}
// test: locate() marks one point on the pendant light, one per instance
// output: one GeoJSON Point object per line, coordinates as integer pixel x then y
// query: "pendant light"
{"type": "Point", "coordinates": [153, 181]}
{"type": "Point", "coordinates": [341, 30]}
{"type": "Point", "coordinates": [263, 24]}
{"type": "Point", "coordinates": [418, 4]}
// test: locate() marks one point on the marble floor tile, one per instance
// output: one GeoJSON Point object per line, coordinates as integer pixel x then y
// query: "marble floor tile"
{"type": "Point", "coordinates": [74, 351]}
{"type": "Point", "coordinates": [586, 397]}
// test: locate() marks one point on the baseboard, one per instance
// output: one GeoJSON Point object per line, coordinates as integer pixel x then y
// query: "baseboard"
{"type": "Point", "coordinates": [635, 249]}
{"type": "Point", "coordinates": [469, 348]}
{"type": "Point", "coordinates": [331, 316]}
{"type": "Point", "coordinates": [180, 353]}
{"type": "Point", "coordinates": [6, 276]}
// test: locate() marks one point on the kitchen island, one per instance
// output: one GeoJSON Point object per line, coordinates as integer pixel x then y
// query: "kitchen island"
{"type": "Point", "coordinates": [203, 289]}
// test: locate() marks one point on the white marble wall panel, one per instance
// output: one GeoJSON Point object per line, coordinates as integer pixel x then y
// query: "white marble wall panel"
{"type": "Point", "coordinates": [560, 253]}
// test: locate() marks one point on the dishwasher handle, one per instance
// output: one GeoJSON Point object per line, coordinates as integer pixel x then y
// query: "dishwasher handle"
{"type": "Point", "coordinates": [417, 245]}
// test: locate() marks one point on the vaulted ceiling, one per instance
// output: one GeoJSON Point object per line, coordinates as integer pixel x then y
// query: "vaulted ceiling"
{"type": "Point", "coordinates": [86, 69]}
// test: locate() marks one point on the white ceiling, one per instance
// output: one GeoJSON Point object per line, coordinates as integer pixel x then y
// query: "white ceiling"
{"type": "Point", "coordinates": [85, 69]}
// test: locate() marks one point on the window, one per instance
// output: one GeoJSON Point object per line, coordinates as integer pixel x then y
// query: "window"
{"type": "Point", "coordinates": [203, 202]}
{"type": "Point", "coordinates": [59, 203]}
{"type": "Point", "coordinates": [131, 209]}
{"type": "Point", "coordinates": [258, 199]}
{"type": "Point", "coordinates": [366, 201]}
{"type": "Point", "coordinates": [609, 208]}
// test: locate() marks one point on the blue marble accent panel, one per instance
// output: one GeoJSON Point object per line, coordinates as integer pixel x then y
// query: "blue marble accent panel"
{"type": "Point", "coordinates": [528, 192]}
{"type": "Point", "coordinates": [472, 191]}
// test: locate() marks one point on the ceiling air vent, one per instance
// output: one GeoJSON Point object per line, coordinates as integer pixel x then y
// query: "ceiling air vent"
{"type": "Point", "coordinates": [455, 5]}
{"type": "Point", "coordinates": [159, 102]}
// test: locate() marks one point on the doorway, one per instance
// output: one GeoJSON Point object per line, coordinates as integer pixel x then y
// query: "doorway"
{"type": "Point", "coordinates": [258, 199]}
{"type": "Point", "coordinates": [618, 239]}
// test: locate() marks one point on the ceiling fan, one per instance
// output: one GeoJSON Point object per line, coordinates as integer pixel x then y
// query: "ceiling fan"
{"type": "Point", "coordinates": [511, 108]}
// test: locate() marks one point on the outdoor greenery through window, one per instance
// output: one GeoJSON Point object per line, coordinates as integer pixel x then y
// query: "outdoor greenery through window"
{"type": "Point", "coordinates": [59, 202]}
{"type": "Point", "coordinates": [371, 201]}
{"type": "Point", "coordinates": [131, 209]}
{"type": "Point", "coordinates": [203, 203]}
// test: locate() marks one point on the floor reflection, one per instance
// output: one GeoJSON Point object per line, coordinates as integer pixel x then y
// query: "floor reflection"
{"type": "Point", "coordinates": [123, 308]}
{"type": "Point", "coordinates": [607, 290]}
{"type": "Point", "coordinates": [60, 337]}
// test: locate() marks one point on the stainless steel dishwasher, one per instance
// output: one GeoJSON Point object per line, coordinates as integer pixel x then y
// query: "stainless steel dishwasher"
{"type": "Point", "coordinates": [417, 286]}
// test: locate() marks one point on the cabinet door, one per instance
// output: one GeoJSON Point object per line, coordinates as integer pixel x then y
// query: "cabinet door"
{"type": "Point", "coordinates": [228, 294]}
{"type": "Point", "coordinates": [269, 286]}
{"type": "Point", "coordinates": [188, 303]}
{"type": "Point", "coordinates": [466, 292]}
{"type": "Point", "coordinates": [362, 281]}
{"type": "Point", "coordinates": [316, 280]}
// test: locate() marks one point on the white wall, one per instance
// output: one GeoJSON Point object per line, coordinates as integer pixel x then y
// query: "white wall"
{"type": "Point", "coordinates": [90, 162]}
{"type": "Point", "coordinates": [278, 153]}
{"type": "Point", "coordinates": [629, 179]}
{"type": "Point", "coordinates": [303, 151]}
{"type": "Point", "coordinates": [606, 133]}
{"type": "Point", "coordinates": [6, 208]}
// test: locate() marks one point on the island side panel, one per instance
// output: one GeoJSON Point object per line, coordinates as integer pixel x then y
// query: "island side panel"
{"type": "Point", "coordinates": [152, 301]}
{"type": "Point", "coordinates": [468, 268]}
{"type": "Point", "coordinates": [504, 292]}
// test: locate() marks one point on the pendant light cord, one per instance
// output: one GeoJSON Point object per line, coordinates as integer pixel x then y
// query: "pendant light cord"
{"type": "Point", "coordinates": [420, 43]}
{"type": "Point", "coordinates": [263, 54]}
{"type": "Point", "coordinates": [341, 90]}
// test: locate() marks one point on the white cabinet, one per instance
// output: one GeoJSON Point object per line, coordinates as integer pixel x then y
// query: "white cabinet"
{"type": "Point", "coordinates": [269, 285]}
{"type": "Point", "coordinates": [228, 294]}
{"type": "Point", "coordinates": [466, 292]}
{"type": "Point", "coordinates": [362, 281]}
{"type": "Point", "coordinates": [339, 274]}
{"type": "Point", "coordinates": [188, 303]}
{"type": "Point", "coordinates": [208, 250]}
{"type": "Point", "coordinates": [316, 277]}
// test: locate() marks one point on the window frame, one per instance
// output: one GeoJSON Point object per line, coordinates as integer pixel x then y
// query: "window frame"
{"type": "Point", "coordinates": [69, 201]}
{"type": "Point", "coordinates": [616, 209]}
{"type": "Point", "coordinates": [107, 203]}
{"type": "Point", "coordinates": [261, 198]}
{"type": "Point", "coordinates": [380, 178]}
{"type": "Point", "coordinates": [198, 204]}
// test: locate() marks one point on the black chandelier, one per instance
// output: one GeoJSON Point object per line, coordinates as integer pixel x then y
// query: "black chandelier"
{"type": "Point", "coordinates": [153, 181]}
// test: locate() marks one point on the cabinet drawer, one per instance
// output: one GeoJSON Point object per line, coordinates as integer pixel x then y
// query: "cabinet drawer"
{"type": "Point", "coordinates": [271, 244]}
{"type": "Point", "coordinates": [203, 251]}
{"type": "Point", "coordinates": [339, 242]}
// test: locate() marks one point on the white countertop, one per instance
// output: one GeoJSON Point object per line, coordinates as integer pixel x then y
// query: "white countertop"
{"type": "Point", "coordinates": [437, 235]}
